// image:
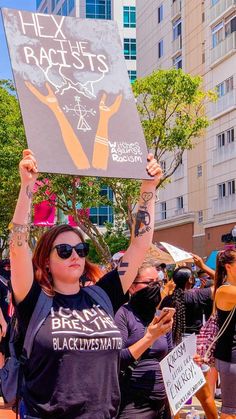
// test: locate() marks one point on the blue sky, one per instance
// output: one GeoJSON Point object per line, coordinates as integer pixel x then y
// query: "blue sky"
{"type": "Point", "coordinates": [5, 66]}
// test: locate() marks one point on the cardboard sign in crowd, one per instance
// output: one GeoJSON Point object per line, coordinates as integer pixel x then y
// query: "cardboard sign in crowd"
{"type": "Point", "coordinates": [78, 109]}
{"type": "Point", "coordinates": [182, 376]}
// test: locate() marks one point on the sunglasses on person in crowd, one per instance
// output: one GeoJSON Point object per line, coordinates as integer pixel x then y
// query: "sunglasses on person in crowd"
{"type": "Point", "coordinates": [149, 283]}
{"type": "Point", "coordinates": [64, 251]}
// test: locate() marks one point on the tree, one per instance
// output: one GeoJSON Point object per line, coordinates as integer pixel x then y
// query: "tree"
{"type": "Point", "coordinates": [172, 104]}
{"type": "Point", "coordinates": [12, 139]}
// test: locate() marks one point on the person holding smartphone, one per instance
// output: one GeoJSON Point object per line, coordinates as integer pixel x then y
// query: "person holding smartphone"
{"type": "Point", "coordinates": [147, 339]}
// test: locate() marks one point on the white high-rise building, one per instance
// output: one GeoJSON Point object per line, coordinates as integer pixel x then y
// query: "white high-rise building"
{"type": "Point", "coordinates": [199, 205]}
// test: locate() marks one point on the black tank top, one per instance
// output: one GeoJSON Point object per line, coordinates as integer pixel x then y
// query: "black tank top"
{"type": "Point", "coordinates": [226, 344]}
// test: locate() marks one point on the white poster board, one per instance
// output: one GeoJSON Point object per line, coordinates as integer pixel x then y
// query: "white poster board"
{"type": "Point", "coordinates": [177, 254]}
{"type": "Point", "coordinates": [182, 376]}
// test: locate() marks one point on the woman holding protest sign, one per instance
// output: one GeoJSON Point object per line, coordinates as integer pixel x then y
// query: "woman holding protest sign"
{"type": "Point", "coordinates": [189, 304]}
{"type": "Point", "coordinates": [72, 371]}
{"type": "Point", "coordinates": [225, 352]}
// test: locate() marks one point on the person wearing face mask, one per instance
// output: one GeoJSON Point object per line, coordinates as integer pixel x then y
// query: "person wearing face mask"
{"type": "Point", "coordinates": [144, 346]}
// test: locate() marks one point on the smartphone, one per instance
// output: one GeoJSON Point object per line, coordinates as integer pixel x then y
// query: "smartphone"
{"type": "Point", "coordinates": [164, 313]}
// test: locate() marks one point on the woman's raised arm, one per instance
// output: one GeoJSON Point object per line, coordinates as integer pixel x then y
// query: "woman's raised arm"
{"type": "Point", "coordinates": [20, 253]}
{"type": "Point", "coordinates": [144, 226]}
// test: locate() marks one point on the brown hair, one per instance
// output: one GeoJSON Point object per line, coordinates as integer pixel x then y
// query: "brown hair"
{"type": "Point", "coordinates": [42, 253]}
{"type": "Point", "coordinates": [224, 257]}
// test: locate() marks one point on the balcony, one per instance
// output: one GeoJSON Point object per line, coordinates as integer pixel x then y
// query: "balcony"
{"type": "Point", "coordinates": [225, 204]}
{"type": "Point", "coordinates": [224, 104]}
{"type": "Point", "coordinates": [220, 8]}
{"type": "Point", "coordinates": [179, 211]}
{"type": "Point", "coordinates": [176, 9]}
{"type": "Point", "coordinates": [177, 45]}
{"type": "Point", "coordinates": [225, 47]}
{"type": "Point", "coordinates": [224, 153]}
{"type": "Point", "coordinates": [179, 173]}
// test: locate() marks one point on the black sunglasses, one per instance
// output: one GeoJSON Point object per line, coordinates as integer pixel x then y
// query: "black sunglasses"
{"type": "Point", "coordinates": [64, 251]}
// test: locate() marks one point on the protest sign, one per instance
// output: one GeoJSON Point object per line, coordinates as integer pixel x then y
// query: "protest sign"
{"type": "Point", "coordinates": [182, 376]}
{"type": "Point", "coordinates": [77, 104]}
{"type": "Point", "coordinates": [178, 255]}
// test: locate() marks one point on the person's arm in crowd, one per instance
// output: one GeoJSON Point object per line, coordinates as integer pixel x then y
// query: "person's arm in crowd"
{"type": "Point", "coordinates": [225, 297]}
{"type": "Point", "coordinates": [168, 289]}
{"type": "Point", "coordinates": [200, 264]}
{"type": "Point", "coordinates": [20, 254]}
{"type": "Point", "coordinates": [3, 325]}
{"type": "Point", "coordinates": [158, 327]}
{"type": "Point", "coordinates": [144, 226]}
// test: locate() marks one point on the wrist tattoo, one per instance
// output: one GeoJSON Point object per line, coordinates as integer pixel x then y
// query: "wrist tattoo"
{"type": "Point", "coordinates": [29, 193]}
{"type": "Point", "coordinates": [143, 219]}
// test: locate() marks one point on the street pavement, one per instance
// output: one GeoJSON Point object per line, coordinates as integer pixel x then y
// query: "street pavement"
{"type": "Point", "coordinates": [8, 414]}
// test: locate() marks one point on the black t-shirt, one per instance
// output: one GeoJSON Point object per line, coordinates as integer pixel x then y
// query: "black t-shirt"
{"type": "Point", "coordinates": [195, 301]}
{"type": "Point", "coordinates": [73, 368]}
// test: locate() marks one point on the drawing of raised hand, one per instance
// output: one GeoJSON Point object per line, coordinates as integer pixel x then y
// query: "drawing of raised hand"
{"type": "Point", "coordinates": [70, 139]}
{"type": "Point", "coordinates": [101, 144]}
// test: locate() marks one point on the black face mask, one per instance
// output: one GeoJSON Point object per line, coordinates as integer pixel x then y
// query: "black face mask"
{"type": "Point", "coordinates": [145, 301]}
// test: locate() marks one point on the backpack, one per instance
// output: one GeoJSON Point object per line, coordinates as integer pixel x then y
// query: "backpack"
{"type": "Point", "coordinates": [11, 375]}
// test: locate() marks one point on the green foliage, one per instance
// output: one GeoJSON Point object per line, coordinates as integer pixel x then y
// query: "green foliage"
{"type": "Point", "coordinates": [115, 242]}
{"type": "Point", "coordinates": [12, 140]}
{"type": "Point", "coordinates": [171, 104]}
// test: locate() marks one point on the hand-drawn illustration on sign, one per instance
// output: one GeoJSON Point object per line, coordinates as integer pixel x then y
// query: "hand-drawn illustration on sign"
{"type": "Point", "coordinates": [77, 104]}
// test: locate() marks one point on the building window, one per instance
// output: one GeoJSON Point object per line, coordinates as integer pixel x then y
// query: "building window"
{"type": "Point", "coordinates": [163, 211]}
{"type": "Point", "coordinates": [177, 29]}
{"type": "Point", "coordinates": [225, 138]}
{"type": "Point", "coordinates": [217, 34]}
{"type": "Point", "coordinates": [129, 16]}
{"type": "Point", "coordinates": [221, 190]}
{"type": "Point", "coordinates": [71, 5]}
{"type": "Point", "coordinates": [231, 187]}
{"type": "Point", "coordinates": [230, 135]}
{"type": "Point", "coordinates": [132, 75]}
{"type": "Point", "coordinates": [98, 9]}
{"type": "Point", "coordinates": [53, 4]}
{"type": "Point", "coordinates": [130, 48]}
{"type": "Point", "coordinates": [160, 48]}
{"type": "Point", "coordinates": [177, 62]}
{"type": "Point", "coordinates": [101, 215]}
{"type": "Point", "coordinates": [180, 202]}
{"type": "Point", "coordinates": [38, 2]}
{"type": "Point", "coordinates": [230, 26]}
{"type": "Point", "coordinates": [59, 12]}
{"type": "Point", "coordinates": [64, 8]}
{"type": "Point", "coordinates": [225, 87]}
{"type": "Point", "coordinates": [199, 170]}
{"type": "Point", "coordinates": [213, 2]}
{"type": "Point", "coordinates": [200, 217]}
{"type": "Point", "coordinates": [160, 14]}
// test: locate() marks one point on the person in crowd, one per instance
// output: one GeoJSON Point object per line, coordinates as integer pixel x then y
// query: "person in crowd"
{"type": "Point", "coordinates": [225, 352]}
{"type": "Point", "coordinates": [142, 388]}
{"type": "Point", "coordinates": [188, 302]}
{"type": "Point", "coordinates": [5, 306]}
{"type": "Point", "coordinates": [73, 368]}
{"type": "Point", "coordinates": [188, 318]}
